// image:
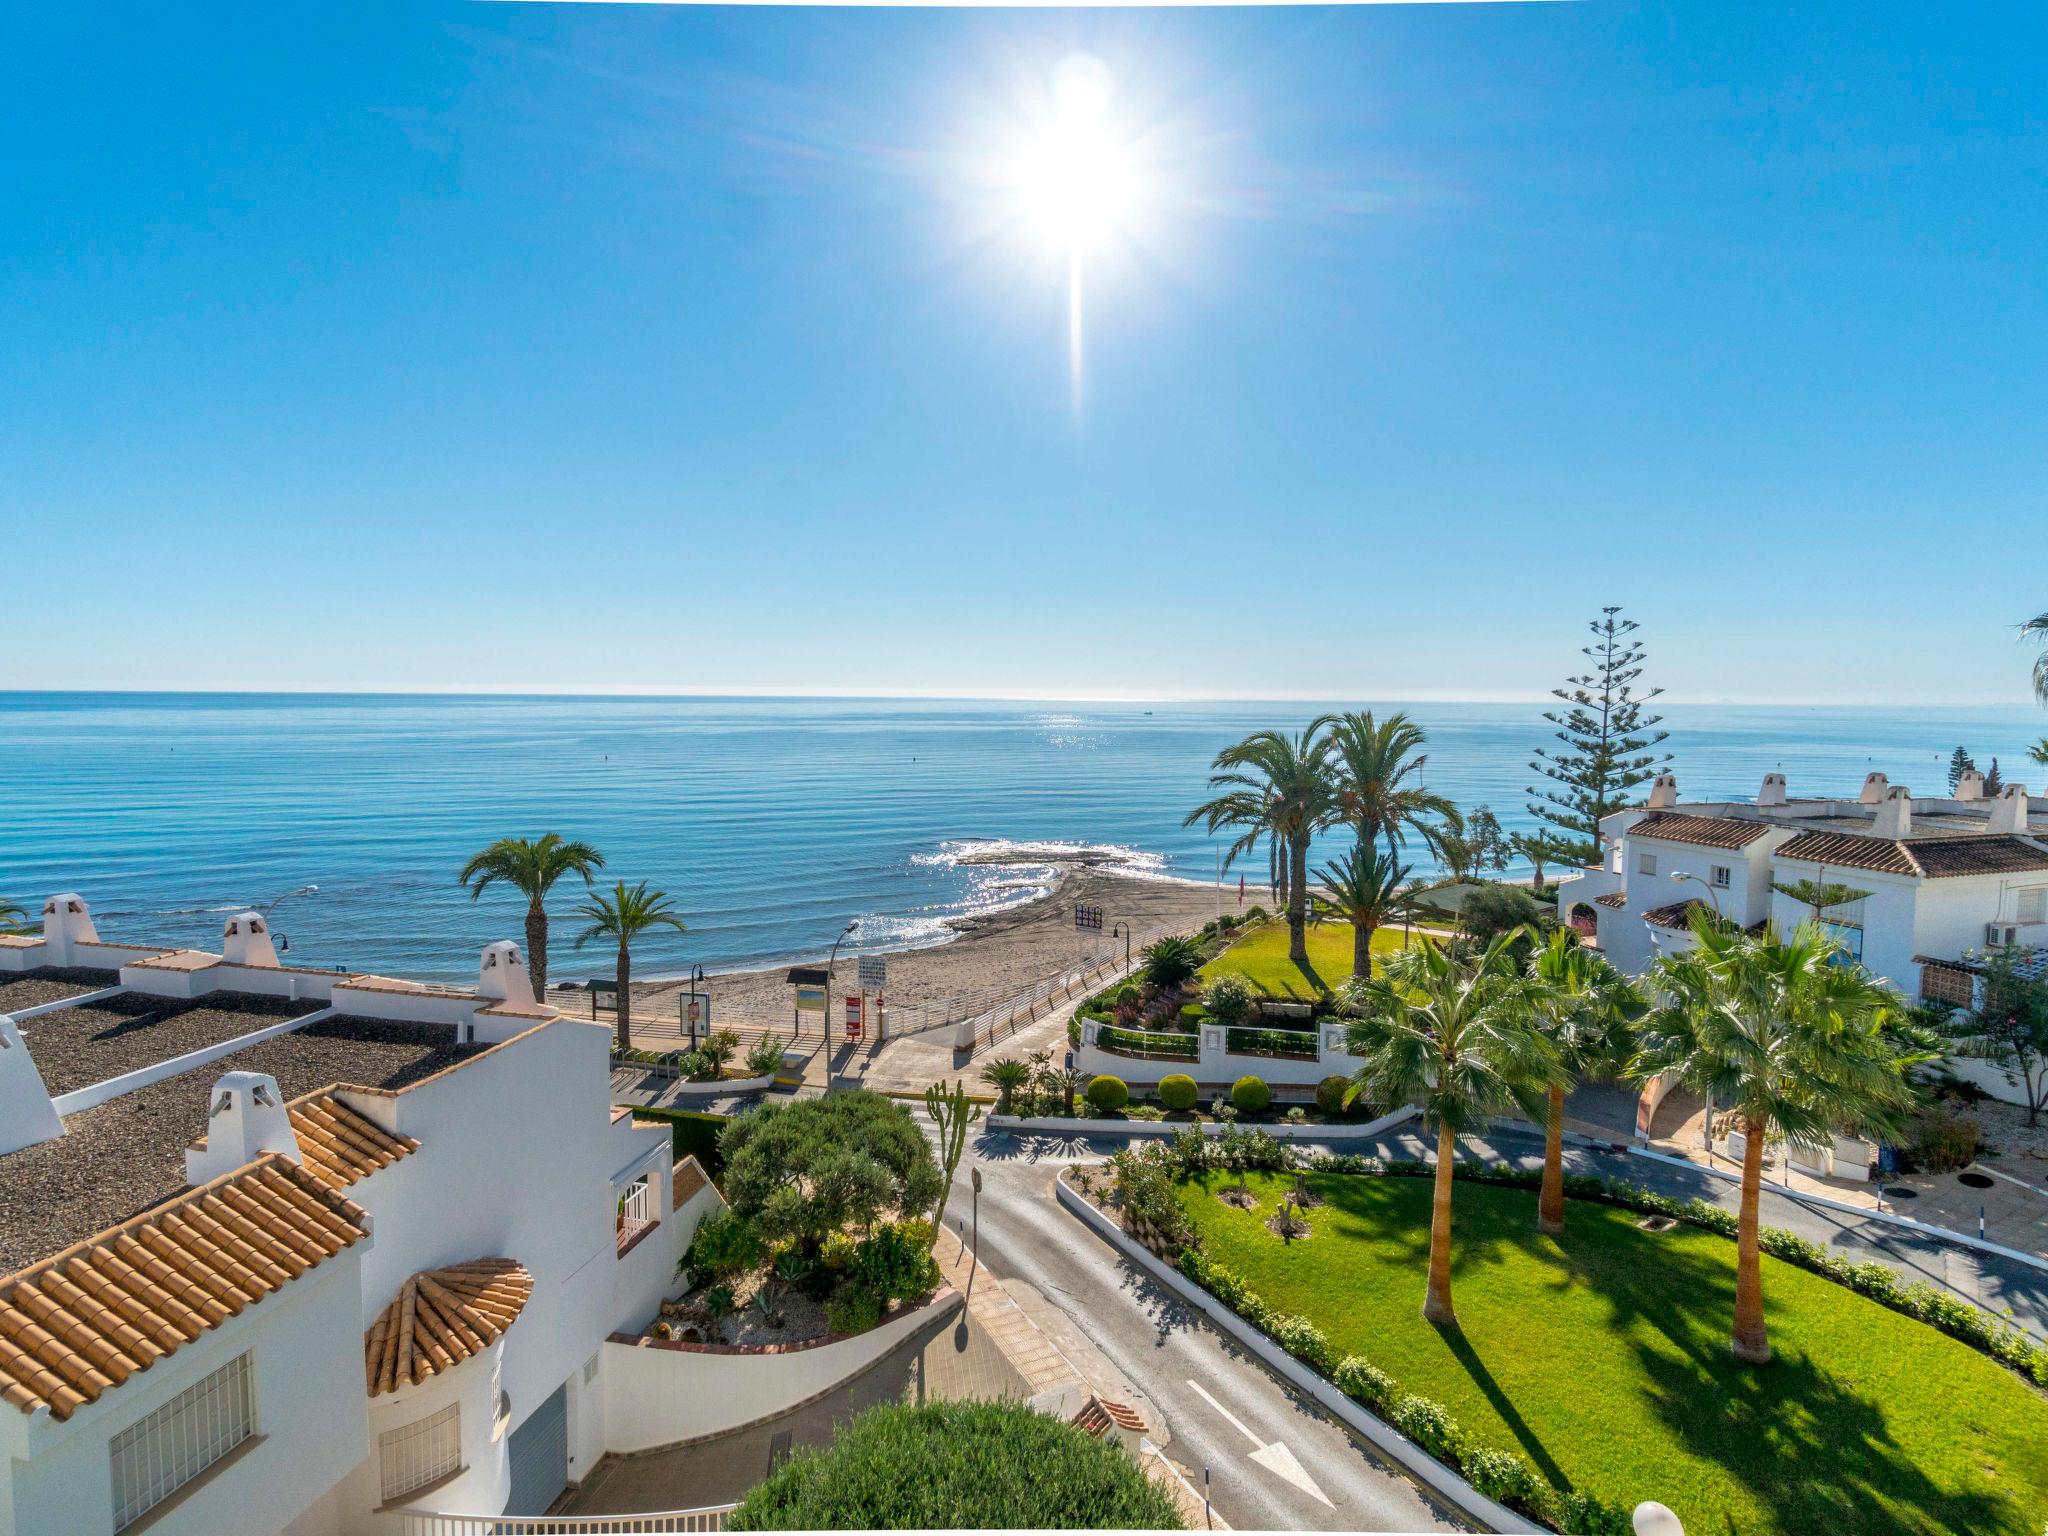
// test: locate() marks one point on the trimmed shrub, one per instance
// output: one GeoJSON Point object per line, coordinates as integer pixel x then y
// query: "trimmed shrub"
{"type": "Point", "coordinates": [954, 1466]}
{"type": "Point", "coordinates": [692, 1133]}
{"type": "Point", "coordinates": [1178, 1092]}
{"type": "Point", "coordinates": [1330, 1093]}
{"type": "Point", "coordinates": [1250, 1096]}
{"type": "Point", "coordinates": [896, 1262]}
{"type": "Point", "coordinates": [855, 1309]}
{"type": "Point", "coordinates": [1108, 1093]}
{"type": "Point", "coordinates": [1229, 998]}
{"type": "Point", "coordinates": [724, 1244]}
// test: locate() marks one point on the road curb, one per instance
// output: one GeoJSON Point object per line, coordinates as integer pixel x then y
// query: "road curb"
{"type": "Point", "coordinates": [1491, 1515]}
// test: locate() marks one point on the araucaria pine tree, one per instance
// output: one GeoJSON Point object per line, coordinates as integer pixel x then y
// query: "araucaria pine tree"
{"type": "Point", "coordinates": [1959, 763]}
{"type": "Point", "coordinates": [1608, 742]}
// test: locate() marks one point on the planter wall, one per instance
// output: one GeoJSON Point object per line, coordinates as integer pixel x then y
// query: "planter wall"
{"type": "Point", "coordinates": [1279, 1131]}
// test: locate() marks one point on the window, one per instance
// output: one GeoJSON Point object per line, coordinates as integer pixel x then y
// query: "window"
{"type": "Point", "coordinates": [418, 1454]}
{"type": "Point", "coordinates": [159, 1454]}
{"type": "Point", "coordinates": [2034, 904]}
{"type": "Point", "coordinates": [1646, 863]}
{"type": "Point", "coordinates": [636, 1212]}
{"type": "Point", "coordinates": [1721, 875]}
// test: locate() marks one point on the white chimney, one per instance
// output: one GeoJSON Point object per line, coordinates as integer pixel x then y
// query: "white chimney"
{"type": "Point", "coordinates": [2009, 810]}
{"type": "Point", "coordinates": [67, 921]}
{"type": "Point", "coordinates": [1664, 792]}
{"type": "Point", "coordinates": [1970, 786]}
{"type": "Point", "coordinates": [246, 941]}
{"type": "Point", "coordinates": [1874, 786]}
{"type": "Point", "coordinates": [245, 1118]}
{"type": "Point", "coordinates": [1773, 791]}
{"type": "Point", "coordinates": [1895, 814]}
{"type": "Point", "coordinates": [502, 975]}
{"type": "Point", "coordinates": [26, 1114]}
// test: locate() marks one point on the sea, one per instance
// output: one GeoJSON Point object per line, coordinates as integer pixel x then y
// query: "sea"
{"type": "Point", "coordinates": [773, 823]}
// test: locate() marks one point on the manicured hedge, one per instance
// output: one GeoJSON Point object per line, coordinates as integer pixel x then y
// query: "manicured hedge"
{"type": "Point", "coordinates": [693, 1134]}
{"type": "Point", "coordinates": [1178, 1092]}
{"type": "Point", "coordinates": [1250, 1095]}
{"type": "Point", "coordinates": [1108, 1093]}
{"type": "Point", "coordinates": [1330, 1093]}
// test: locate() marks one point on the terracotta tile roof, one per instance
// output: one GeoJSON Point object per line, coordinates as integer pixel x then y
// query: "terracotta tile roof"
{"type": "Point", "coordinates": [1098, 1416]}
{"type": "Point", "coordinates": [337, 1144]}
{"type": "Point", "coordinates": [685, 1179]}
{"type": "Point", "coordinates": [1677, 915]}
{"type": "Point", "coordinates": [1707, 831]}
{"type": "Point", "coordinates": [20, 940]}
{"type": "Point", "coordinates": [1618, 900]}
{"type": "Point", "coordinates": [83, 1321]}
{"type": "Point", "coordinates": [441, 1317]}
{"type": "Point", "coordinates": [1930, 858]}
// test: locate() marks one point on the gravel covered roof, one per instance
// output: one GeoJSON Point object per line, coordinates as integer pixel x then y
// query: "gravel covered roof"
{"type": "Point", "coordinates": [128, 1154]}
{"type": "Point", "coordinates": [51, 984]}
{"type": "Point", "coordinates": [77, 1047]}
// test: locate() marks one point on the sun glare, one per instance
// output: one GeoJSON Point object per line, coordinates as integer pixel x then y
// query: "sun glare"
{"type": "Point", "coordinates": [1077, 180]}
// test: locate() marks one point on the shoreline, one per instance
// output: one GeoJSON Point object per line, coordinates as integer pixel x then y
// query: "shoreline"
{"type": "Point", "coordinates": [993, 952]}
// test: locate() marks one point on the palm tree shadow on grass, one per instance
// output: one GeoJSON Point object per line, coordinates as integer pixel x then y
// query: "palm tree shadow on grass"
{"type": "Point", "coordinates": [1532, 1445]}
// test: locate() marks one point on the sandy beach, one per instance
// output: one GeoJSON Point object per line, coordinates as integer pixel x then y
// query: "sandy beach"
{"type": "Point", "coordinates": [995, 953]}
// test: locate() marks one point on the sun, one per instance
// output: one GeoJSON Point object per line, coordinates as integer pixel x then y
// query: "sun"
{"type": "Point", "coordinates": [1077, 179]}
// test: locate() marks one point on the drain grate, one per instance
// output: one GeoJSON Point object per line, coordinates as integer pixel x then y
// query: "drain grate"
{"type": "Point", "coordinates": [1657, 1223]}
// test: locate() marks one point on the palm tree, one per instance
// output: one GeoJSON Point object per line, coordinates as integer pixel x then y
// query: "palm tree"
{"type": "Point", "coordinates": [2038, 752]}
{"type": "Point", "coordinates": [13, 916]}
{"type": "Point", "coordinates": [1374, 762]}
{"type": "Point", "coordinates": [1541, 849]}
{"type": "Point", "coordinates": [1364, 888]}
{"type": "Point", "coordinates": [1006, 1075]}
{"type": "Point", "coordinates": [624, 913]}
{"type": "Point", "coordinates": [2036, 628]}
{"type": "Point", "coordinates": [1792, 1040]}
{"type": "Point", "coordinates": [1453, 1035]}
{"type": "Point", "coordinates": [1277, 787]}
{"type": "Point", "coordinates": [1583, 1006]}
{"type": "Point", "coordinates": [532, 867]}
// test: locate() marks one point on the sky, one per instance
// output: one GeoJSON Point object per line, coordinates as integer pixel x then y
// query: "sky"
{"type": "Point", "coordinates": [650, 348]}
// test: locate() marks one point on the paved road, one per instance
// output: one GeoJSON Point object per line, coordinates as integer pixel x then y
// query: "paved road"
{"type": "Point", "coordinates": [1276, 1462]}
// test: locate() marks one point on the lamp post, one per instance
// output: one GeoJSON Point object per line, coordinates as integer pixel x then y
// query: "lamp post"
{"type": "Point", "coordinates": [1123, 929]}
{"type": "Point", "coordinates": [284, 944]}
{"type": "Point", "coordinates": [831, 961]}
{"type": "Point", "coordinates": [974, 1180]}
{"type": "Point", "coordinates": [1713, 896]}
{"type": "Point", "coordinates": [1654, 1519]}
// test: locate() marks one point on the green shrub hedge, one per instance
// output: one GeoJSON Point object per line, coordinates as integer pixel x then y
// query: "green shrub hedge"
{"type": "Point", "coordinates": [955, 1466]}
{"type": "Point", "coordinates": [1108, 1093]}
{"type": "Point", "coordinates": [1250, 1096]}
{"type": "Point", "coordinates": [692, 1133]}
{"type": "Point", "coordinates": [1178, 1092]}
{"type": "Point", "coordinates": [1144, 1042]}
{"type": "Point", "coordinates": [1330, 1094]}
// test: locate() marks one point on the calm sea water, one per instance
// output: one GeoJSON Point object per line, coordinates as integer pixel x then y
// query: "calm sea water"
{"type": "Point", "coordinates": [773, 822]}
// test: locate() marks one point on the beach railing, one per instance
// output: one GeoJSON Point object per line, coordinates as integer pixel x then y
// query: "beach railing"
{"type": "Point", "coordinates": [421, 1522]}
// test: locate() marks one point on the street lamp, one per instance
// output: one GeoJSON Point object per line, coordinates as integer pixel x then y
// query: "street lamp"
{"type": "Point", "coordinates": [831, 961]}
{"type": "Point", "coordinates": [1123, 929]}
{"type": "Point", "coordinates": [1654, 1519]}
{"type": "Point", "coordinates": [284, 944]}
{"type": "Point", "coordinates": [1713, 895]}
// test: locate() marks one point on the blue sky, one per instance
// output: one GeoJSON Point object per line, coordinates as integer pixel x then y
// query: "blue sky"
{"type": "Point", "coordinates": [641, 347]}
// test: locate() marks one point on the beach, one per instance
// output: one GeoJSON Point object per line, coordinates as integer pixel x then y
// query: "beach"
{"type": "Point", "coordinates": [993, 953]}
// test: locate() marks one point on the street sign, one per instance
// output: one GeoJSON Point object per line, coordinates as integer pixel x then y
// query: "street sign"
{"type": "Point", "coordinates": [874, 971]}
{"type": "Point", "coordinates": [810, 999]}
{"type": "Point", "coordinates": [605, 992]}
{"type": "Point", "coordinates": [853, 1016]}
{"type": "Point", "coordinates": [1088, 918]}
{"type": "Point", "coordinates": [694, 1011]}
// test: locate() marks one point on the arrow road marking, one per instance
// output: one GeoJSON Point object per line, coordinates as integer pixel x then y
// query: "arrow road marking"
{"type": "Point", "coordinates": [1274, 1457]}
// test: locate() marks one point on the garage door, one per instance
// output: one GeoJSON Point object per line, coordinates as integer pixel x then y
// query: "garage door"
{"type": "Point", "coordinates": [539, 1454]}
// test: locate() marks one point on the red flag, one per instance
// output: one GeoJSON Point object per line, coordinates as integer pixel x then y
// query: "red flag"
{"type": "Point", "coordinates": [1240, 890]}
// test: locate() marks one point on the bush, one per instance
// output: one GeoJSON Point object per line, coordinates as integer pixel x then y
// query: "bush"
{"type": "Point", "coordinates": [725, 1244]}
{"type": "Point", "coordinates": [1171, 962]}
{"type": "Point", "coordinates": [1944, 1141]}
{"type": "Point", "coordinates": [1178, 1092]}
{"type": "Point", "coordinates": [766, 1056]}
{"type": "Point", "coordinates": [896, 1262]}
{"type": "Point", "coordinates": [692, 1133]}
{"type": "Point", "coordinates": [1108, 1093]}
{"type": "Point", "coordinates": [953, 1466]}
{"type": "Point", "coordinates": [855, 1309]}
{"type": "Point", "coordinates": [1230, 998]}
{"type": "Point", "coordinates": [1255, 913]}
{"type": "Point", "coordinates": [1330, 1093]}
{"type": "Point", "coordinates": [806, 1169]}
{"type": "Point", "coordinates": [1249, 1096]}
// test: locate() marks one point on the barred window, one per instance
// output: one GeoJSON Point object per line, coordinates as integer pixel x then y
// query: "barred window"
{"type": "Point", "coordinates": [1646, 863]}
{"type": "Point", "coordinates": [415, 1455]}
{"type": "Point", "coordinates": [159, 1454]}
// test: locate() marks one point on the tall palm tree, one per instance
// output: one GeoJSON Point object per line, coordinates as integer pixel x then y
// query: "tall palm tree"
{"type": "Point", "coordinates": [1376, 790]}
{"type": "Point", "coordinates": [1453, 1035]}
{"type": "Point", "coordinates": [2036, 628]}
{"type": "Point", "coordinates": [531, 866]}
{"type": "Point", "coordinates": [1583, 1006]}
{"type": "Point", "coordinates": [1364, 888]}
{"type": "Point", "coordinates": [623, 914]}
{"type": "Point", "coordinates": [1788, 1037]}
{"type": "Point", "coordinates": [1277, 787]}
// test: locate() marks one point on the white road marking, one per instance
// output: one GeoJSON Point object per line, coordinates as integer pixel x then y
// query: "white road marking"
{"type": "Point", "coordinates": [1275, 1457]}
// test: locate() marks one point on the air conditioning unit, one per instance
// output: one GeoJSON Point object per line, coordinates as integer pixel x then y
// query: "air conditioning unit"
{"type": "Point", "coordinates": [2001, 935]}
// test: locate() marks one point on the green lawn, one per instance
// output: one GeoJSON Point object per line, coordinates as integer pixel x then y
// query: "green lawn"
{"type": "Point", "coordinates": [1604, 1360]}
{"type": "Point", "coordinates": [1261, 958]}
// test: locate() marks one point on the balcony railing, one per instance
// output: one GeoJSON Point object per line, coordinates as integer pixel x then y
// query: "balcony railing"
{"type": "Point", "coordinates": [421, 1522]}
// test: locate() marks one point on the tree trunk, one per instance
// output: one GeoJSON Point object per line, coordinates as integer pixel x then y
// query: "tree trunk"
{"type": "Point", "coordinates": [1550, 1208]}
{"type": "Point", "coordinates": [537, 949]}
{"type": "Point", "coordinates": [1361, 949]}
{"type": "Point", "coordinates": [1436, 1307]}
{"type": "Point", "coordinates": [625, 975]}
{"type": "Point", "coordinates": [1297, 900]}
{"type": "Point", "coordinates": [1751, 1343]}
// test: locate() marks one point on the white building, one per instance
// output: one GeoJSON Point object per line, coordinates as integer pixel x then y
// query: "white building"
{"type": "Point", "coordinates": [1939, 881]}
{"type": "Point", "coordinates": [286, 1249]}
